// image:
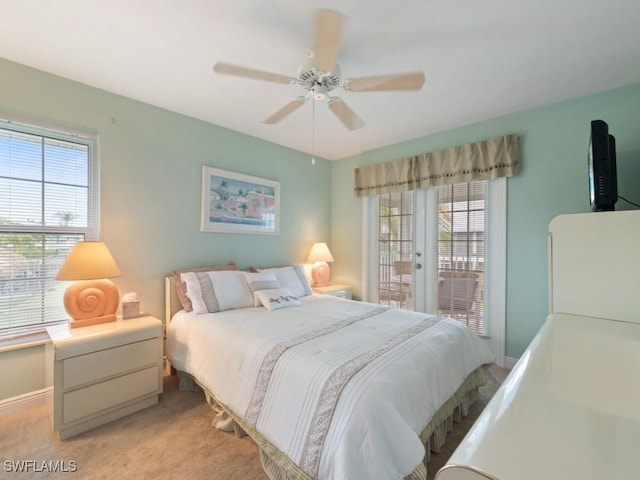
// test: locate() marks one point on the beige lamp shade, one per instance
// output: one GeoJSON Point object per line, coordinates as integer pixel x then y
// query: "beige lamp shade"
{"type": "Point", "coordinates": [319, 256]}
{"type": "Point", "coordinates": [88, 261]}
{"type": "Point", "coordinates": [319, 253]}
{"type": "Point", "coordinates": [93, 298]}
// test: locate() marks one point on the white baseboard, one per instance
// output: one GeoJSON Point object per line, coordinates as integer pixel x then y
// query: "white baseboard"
{"type": "Point", "coordinates": [20, 403]}
{"type": "Point", "coordinates": [510, 362]}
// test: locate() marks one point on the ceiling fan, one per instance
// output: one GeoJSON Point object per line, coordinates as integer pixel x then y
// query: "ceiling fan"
{"type": "Point", "coordinates": [320, 74]}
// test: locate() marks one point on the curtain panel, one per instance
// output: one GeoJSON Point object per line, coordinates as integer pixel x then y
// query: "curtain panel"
{"type": "Point", "coordinates": [493, 158]}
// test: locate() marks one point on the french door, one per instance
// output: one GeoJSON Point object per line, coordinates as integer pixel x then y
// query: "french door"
{"type": "Point", "coordinates": [441, 250]}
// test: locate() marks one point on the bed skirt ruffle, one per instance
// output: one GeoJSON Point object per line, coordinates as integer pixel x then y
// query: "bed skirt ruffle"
{"type": "Point", "coordinates": [278, 466]}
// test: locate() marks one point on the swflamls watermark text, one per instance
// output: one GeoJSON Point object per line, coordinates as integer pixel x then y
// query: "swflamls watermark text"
{"type": "Point", "coordinates": [39, 466]}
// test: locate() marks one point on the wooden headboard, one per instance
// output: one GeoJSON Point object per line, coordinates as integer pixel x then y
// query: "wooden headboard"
{"type": "Point", "coordinates": [171, 301]}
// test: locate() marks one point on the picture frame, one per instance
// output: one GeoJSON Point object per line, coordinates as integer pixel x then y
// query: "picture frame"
{"type": "Point", "coordinates": [238, 203]}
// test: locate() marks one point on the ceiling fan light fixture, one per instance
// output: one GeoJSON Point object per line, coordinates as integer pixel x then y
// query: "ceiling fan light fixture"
{"type": "Point", "coordinates": [320, 92]}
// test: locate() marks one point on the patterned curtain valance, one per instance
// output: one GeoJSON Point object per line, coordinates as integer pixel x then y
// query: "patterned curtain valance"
{"type": "Point", "coordinates": [496, 157]}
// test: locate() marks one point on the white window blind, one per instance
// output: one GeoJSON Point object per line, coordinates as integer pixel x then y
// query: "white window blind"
{"type": "Point", "coordinates": [461, 253]}
{"type": "Point", "coordinates": [48, 202]}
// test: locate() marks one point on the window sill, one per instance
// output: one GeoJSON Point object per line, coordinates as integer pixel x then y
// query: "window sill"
{"type": "Point", "coordinates": [24, 342]}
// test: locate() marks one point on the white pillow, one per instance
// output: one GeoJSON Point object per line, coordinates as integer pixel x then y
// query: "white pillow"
{"type": "Point", "coordinates": [275, 298]}
{"type": "Point", "coordinates": [293, 279]}
{"type": "Point", "coordinates": [260, 281]}
{"type": "Point", "coordinates": [217, 291]}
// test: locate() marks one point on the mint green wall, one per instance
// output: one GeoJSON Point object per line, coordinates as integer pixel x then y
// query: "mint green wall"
{"type": "Point", "coordinates": [22, 371]}
{"type": "Point", "coordinates": [150, 184]}
{"type": "Point", "coordinates": [552, 180]}
{"type": "Point", "coordinates": [151, 163]}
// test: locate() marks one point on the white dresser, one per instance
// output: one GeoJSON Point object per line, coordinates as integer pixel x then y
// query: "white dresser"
{"type": "Point", "coordinates": [570, 408]}
{"type": "Point", "coordinates": [103, 372]}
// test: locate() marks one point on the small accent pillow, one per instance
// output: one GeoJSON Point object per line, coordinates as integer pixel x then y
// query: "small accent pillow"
{"type": "Point", "coordinates": [275, 298]}
{"type": "Point", "coordinates": [260, 281]}
{"type": "Point", "coordinates": [217, 291]}
{"type": "Point", "coordinates": [181, 288]}
{"type": "Point", "coordinates": [293, 279]}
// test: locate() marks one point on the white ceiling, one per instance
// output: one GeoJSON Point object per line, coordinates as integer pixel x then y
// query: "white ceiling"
{"type": "Point", "coordinates": [481, 59]}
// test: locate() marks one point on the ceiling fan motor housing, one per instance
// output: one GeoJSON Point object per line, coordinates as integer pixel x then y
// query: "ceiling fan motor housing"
{"type": "Point", "coordinates": [320, 83]}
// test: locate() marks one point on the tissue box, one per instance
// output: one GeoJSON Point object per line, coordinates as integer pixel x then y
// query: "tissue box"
{"type": "Point", "coordinates": [130, 309]}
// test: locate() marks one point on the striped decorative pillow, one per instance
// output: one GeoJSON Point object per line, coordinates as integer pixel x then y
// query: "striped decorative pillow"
{"type": "Point", "coordinates": [261, 281]}
{"type": "Point", "coordinates": [293, 279]}
{"type": "Point", "coordinates": [217, 291]}
{"type": "Point", "coordinates": [181, 288]}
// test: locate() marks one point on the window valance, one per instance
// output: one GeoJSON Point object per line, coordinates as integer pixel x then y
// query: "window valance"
{"type": "Point", "coordinates": [496, 157]}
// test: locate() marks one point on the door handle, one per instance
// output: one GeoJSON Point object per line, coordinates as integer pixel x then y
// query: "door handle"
{"type": "Point", "coordinates": [418, 254]}
{"type": "Point", "coordinates": [418, 266]}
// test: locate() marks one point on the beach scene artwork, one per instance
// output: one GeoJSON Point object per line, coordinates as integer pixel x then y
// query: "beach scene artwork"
{"type": "Point", "coordinates": [238, 203]}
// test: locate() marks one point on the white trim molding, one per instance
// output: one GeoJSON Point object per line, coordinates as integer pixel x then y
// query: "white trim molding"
{"type": "Point", "coordinates": [497, 257]}
{"type": "Point", "coordinates": [26, 401]}
{"type": "Point", "coordinates": [510, 362]}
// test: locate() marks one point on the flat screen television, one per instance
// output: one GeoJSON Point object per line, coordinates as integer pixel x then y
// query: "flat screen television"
{"type": "Point", "coordinates": [603, 181]}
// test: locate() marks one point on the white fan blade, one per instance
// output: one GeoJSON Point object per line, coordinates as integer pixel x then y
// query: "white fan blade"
{"type": "Point", "coordinates": [237, 71]}
{"type": "Point", "coordinates": [288, 109]}
{"type": "Point", "coordinates": [326, 42]}
{"type": "Point", "coordinates": [345, 114]}
{"type": "Point", "coordinates": [407, 81]}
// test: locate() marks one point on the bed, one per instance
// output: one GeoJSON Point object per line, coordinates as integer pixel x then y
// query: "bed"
{"type": "Point", "coordinates": [328, 388]}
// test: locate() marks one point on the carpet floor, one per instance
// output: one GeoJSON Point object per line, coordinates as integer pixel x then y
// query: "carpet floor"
{"type": "Point", "coordinates": [171, 440]}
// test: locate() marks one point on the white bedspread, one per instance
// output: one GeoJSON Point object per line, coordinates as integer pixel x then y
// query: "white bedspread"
{"type": "Point", "coordinates": [343, 388]}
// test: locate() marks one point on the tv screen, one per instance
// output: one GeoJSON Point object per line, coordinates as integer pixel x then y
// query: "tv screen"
{"type": "Point", "coordinates": [603, 182]}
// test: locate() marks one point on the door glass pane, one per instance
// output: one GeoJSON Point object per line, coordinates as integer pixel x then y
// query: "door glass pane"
{"type": "Point", "coordinates": [395, 264]}
{"type": "Point", "coordinates": [461, 253]}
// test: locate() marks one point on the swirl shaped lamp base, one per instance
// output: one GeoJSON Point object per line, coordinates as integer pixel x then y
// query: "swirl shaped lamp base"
{"type": "Point", "coordinates": [320, 274]}
{"type": "Point", "coordinates": [90, 302]}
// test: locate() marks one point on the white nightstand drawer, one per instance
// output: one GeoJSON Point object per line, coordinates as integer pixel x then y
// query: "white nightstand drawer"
{"type": "Point", "coordinates": [101, 396]}
{"type": "Point", "coordinates": [106, 363]}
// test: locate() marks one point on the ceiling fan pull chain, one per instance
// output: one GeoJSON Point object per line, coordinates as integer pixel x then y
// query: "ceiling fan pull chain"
{"type": "Point", "coordinates": [313, 132]}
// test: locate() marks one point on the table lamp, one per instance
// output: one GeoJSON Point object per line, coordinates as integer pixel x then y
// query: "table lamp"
{"type": "Point", "coordinates": [93, 298]}
{"type": "Point", "coordinates": [319, 256]}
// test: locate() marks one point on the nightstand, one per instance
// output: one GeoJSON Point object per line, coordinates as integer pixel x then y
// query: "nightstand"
{"type": "Point", "coordinates": [335, 289]}
{"type": "Point", "coordinates": [103, 372]}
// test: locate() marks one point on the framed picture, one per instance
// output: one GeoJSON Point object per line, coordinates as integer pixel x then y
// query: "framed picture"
{"type": "Point", "coordinates": [237, 203]}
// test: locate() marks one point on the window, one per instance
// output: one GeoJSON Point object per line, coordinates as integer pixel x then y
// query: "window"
{"type": "Point", "coordinates": [48, 202]}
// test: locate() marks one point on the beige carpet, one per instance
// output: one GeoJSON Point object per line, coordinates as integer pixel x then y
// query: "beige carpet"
{"type": "Point", "coordinates": [173, 439]}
